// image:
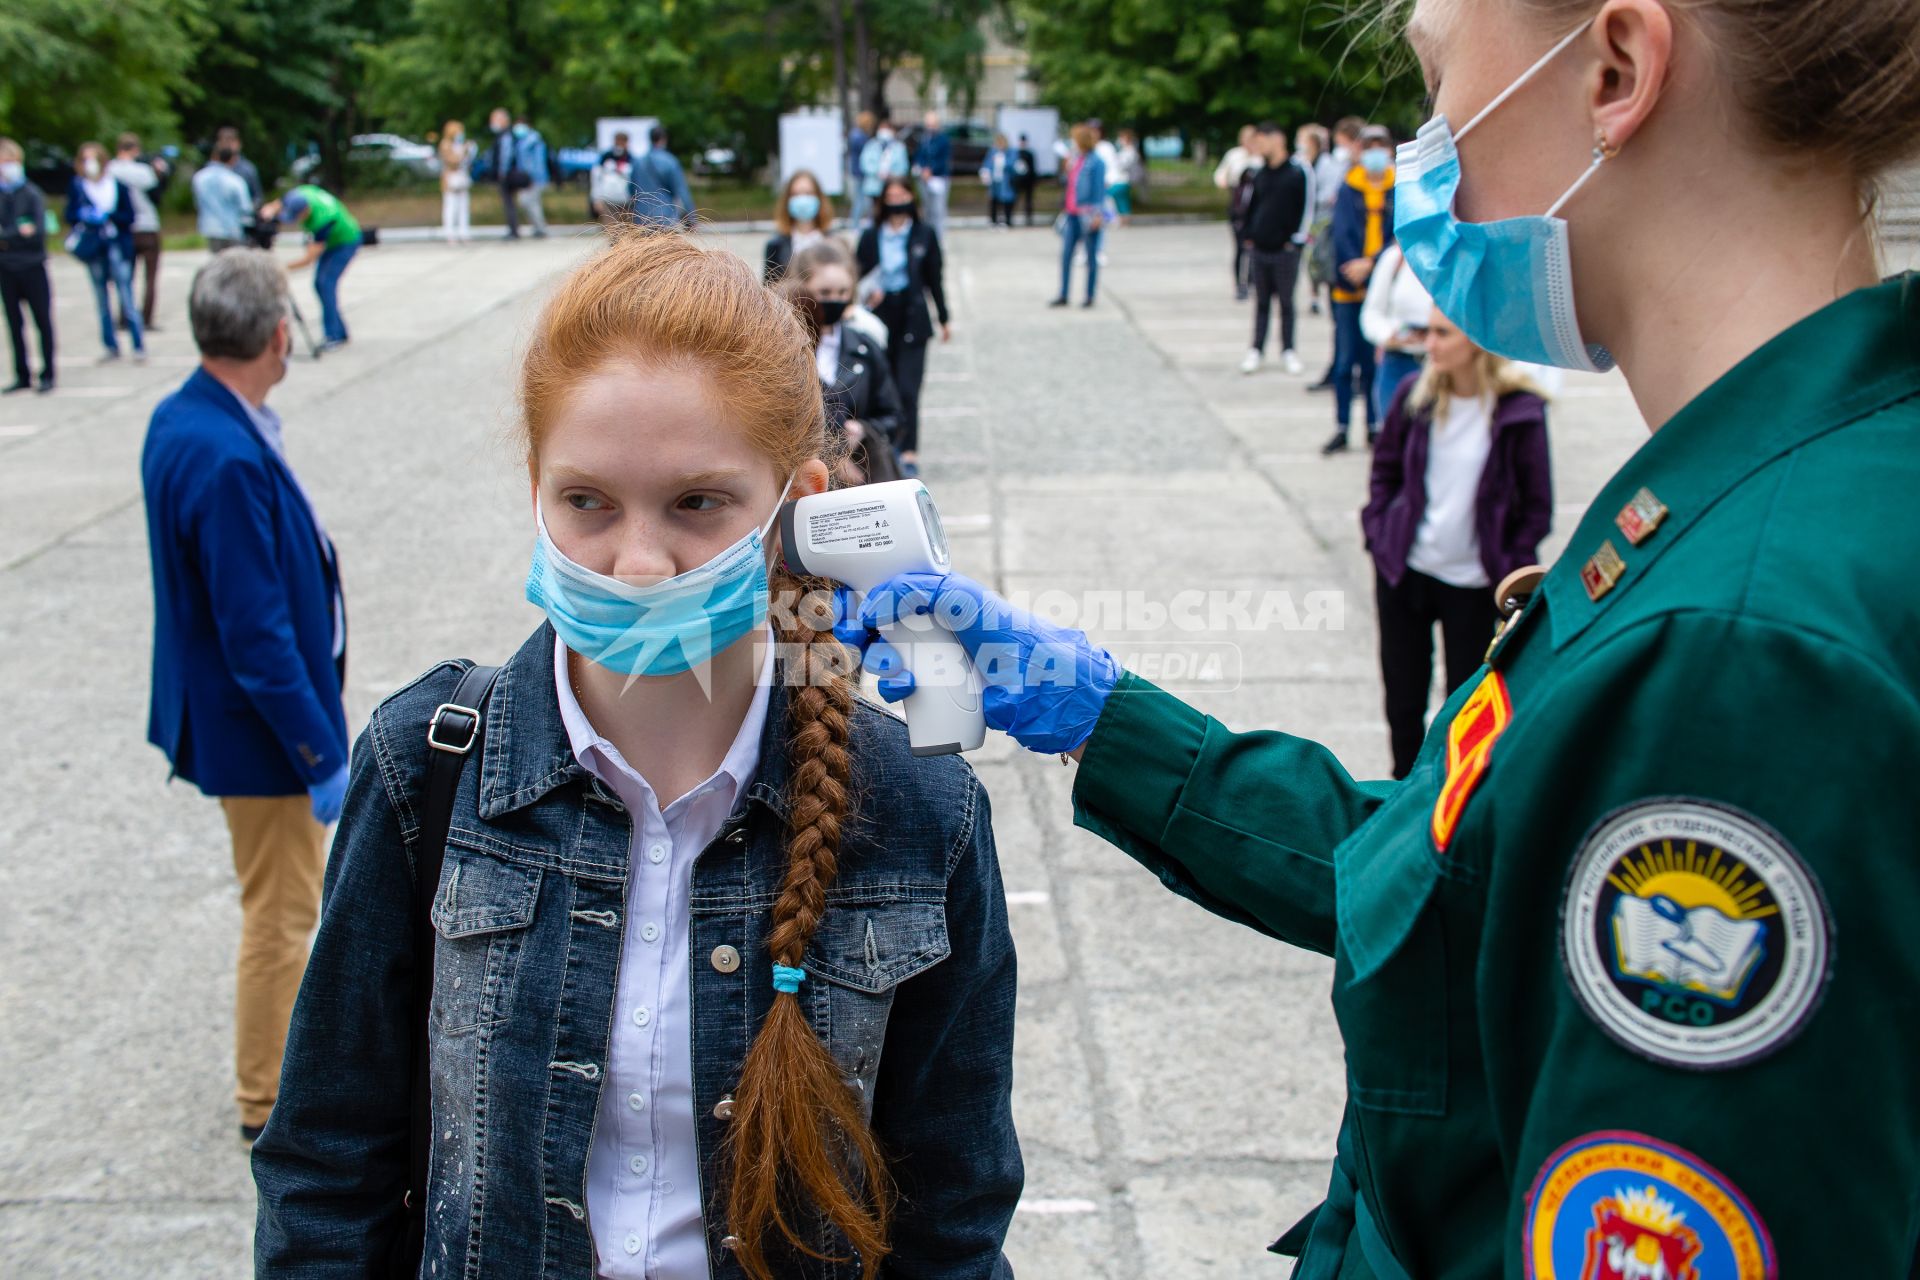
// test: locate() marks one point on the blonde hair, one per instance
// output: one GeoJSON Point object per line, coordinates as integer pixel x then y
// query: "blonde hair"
{"type": "Point", "coordinates": [783, 221]}
{"type": "Point", "coordinates": [798, 1148]}
{"type": "Point", "coordinates": [1433, 393]}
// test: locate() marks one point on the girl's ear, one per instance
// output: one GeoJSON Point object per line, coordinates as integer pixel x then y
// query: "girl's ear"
{"type": "Point", "coordinates": [811, 478]}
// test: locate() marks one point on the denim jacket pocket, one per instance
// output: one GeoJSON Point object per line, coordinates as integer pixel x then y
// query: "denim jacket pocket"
{"type": "Point", "coordinates": [864, 951]}
{"type": "Point", "coordinates": [481, 914]}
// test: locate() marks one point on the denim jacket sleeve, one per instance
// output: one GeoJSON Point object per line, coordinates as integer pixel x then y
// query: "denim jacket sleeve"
{"type": "Point", "coordinates": [956, 1162]}
{"type": "Point", "coordinates": [331, 1168]}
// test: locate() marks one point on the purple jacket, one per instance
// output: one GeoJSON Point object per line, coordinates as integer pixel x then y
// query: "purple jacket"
{"type": "Point", "coordinates": [1515, 508]}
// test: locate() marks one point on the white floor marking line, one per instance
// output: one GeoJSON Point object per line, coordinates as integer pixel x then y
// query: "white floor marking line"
{"type": "Point", "coordinates": [1027, 1205]}
{"type": "Point", "coordinates": [15, 433]}
{"type": "Point", "coordinates": [1028, 898]}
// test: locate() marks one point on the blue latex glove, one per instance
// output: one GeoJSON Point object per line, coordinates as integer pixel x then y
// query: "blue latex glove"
{"type": "Point", "coordinates": [1044, 685]}
{"type": "Point", "coordinates": [328, 795]}
{"type": "Point", "coordinates": [93, 217]}
{"type": "Point", "coordinates": [847, 626]}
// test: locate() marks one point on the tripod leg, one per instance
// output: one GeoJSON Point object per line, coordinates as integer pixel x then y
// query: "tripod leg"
{"type": "Point", "coordinates": [313, 348]}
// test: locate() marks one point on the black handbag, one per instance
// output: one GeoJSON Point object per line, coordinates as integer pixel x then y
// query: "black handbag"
{"type": "Point", "coordinates": [454, 733]}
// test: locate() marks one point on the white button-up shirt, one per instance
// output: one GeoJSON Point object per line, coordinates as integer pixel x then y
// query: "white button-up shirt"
{"type": "Point", "coordinates": [643, 1171]}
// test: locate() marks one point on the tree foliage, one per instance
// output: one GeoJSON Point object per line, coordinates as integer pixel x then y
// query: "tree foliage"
{"type": "Point", "coordinates": [76, 72]}
{"type": "Point", "coordinates": [1206, 67]}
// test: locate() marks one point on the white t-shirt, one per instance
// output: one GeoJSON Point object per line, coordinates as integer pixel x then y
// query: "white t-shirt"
{"type": "Point", "coordinates": [138, 177]}
{"type": "Point", "coordinates": [1446, 546]}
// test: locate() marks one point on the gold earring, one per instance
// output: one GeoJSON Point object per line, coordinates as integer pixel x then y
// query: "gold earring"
{"type": "Point", "coordinates": [1602, 149]}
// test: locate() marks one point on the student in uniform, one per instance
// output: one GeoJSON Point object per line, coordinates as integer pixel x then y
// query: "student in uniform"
{"type": "Point", "coordinates": [1625, 967]}
{"type": "Point", "coordinates": [862, 403]}
{"type": "Point", "coordinates": [732, 998]}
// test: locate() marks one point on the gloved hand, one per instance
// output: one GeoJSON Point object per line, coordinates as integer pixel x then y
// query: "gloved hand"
{"type": "Point", "coordinates": [328, 795]}
{"type": "Point", "coordinates": [93, 217]}
{"type": "Point", "coordinates": [847, 627]}
{"type": "Point", "coordinates": [1044, 685]}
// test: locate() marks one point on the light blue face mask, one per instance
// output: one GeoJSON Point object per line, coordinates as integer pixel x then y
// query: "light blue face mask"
{"type": "Point", "coordinates": [803, 208]}
{"type": "Point", "coordinates": [659, 630]}
{"type": "Point", "coordinates": [1508, 285]}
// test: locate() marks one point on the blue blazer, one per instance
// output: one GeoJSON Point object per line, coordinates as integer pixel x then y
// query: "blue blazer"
{"type": "Point", "coordinates": [246, 692]}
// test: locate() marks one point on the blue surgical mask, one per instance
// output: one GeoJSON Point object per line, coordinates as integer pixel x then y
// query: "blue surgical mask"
{"type": "Point", "coordinates": [520, 131]}
{"type": "Point", "coordinates": [1374, 161]}
{"type": "Point", "coordinates": [803, 208]}
{"type": "Point", "coordinates": [1508, 285]}
{"type": "Point", "coordinates": [659, 630]}
{"type": "Point", "coordinates": [12, 174]}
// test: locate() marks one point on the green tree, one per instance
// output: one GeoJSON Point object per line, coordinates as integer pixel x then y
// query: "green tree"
{"type": "Point", "coordinates": [286, 73]}
{"type": "Point", "coordinates": [1206, 67]}
{"type": "Point", "coordinates": [79, 71]}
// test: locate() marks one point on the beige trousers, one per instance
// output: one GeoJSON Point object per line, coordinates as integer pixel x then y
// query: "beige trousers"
{"type": "Point", "coordinates": [280, 855]}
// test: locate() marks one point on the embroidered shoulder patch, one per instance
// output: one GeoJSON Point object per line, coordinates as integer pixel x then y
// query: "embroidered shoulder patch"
{"type": "Point", "coordinates": [1618, 1205]}
{"type": "Point", "coordinates": [1482, 718]}
{"type": "Point", "coordinates": [1693, 934]}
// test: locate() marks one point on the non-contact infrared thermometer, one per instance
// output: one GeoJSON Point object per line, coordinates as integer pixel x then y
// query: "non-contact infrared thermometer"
{"type": "Point", "coordinates": [863, 536]}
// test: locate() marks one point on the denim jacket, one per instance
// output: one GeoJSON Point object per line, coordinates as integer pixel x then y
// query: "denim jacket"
{"type": "Point", "coordinates": [911, 986]}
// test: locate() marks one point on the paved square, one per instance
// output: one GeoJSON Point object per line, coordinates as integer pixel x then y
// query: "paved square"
{"type": "Point", "coordinates": [1179, 1077]}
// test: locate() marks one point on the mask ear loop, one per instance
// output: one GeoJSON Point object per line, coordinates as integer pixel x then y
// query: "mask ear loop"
{"type": "Point", "coordinates": [1525, 76]}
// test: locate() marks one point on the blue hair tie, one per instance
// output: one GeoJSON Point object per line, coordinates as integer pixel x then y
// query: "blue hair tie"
{"type": "Point", "coordinates": [787, 979]}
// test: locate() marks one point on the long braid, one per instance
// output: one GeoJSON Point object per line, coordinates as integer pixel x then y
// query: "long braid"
{"type": "Point", "coordinates": [798, 1137]}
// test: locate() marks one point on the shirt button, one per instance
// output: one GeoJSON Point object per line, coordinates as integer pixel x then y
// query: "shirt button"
{"type": "Point", "coordinates": [638, 1164]}
{"type": "Point", "coordinates": [725, 959]}
{"type": "Point", "coordinates": [666, 1188]}
{"type": "Point", "coordinates": [633, 1242]}
{"type": "Point", "coordinates": [723, 1109]}
{"type": "Point", "coordinates": [730, 1243]}
{"type": "Point", "coordinates": [657, 854]}
{"type": "Point", "coordinates": [638, 1101]}
{"type": "Point", "coordinates": [642, 1016]}
{"type": "Point", "coordinates": [650, 932]}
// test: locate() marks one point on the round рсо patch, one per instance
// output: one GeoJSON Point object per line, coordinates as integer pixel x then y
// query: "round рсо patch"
{"type": "Point", "coordinates": [1693, 934]}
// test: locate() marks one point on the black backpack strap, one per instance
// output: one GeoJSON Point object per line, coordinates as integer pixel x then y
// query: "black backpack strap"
{"type": "Point", "coordinates": [454, 733]}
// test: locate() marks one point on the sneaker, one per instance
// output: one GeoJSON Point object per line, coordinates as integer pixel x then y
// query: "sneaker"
{"type": "Point", "coordinates": [1239, 295]}
{"type": "Point", "coordinates": [1058, 302]}
{"type": "Point", "coordinates": [1313, 308]}
{"type": "Point", "coordinates": [1325, 384]}
{"type": "Point", "coordinates": [45, 388]}
{"type": "Point", "coordinates": [22, 385]}
{"type": "Point", "coordinates": [108, 357]}
{"type": "Point", "coordinates": [140, 357]}
{"type": "Point", "coordinates": [332, 344]}
{"type": "Point", "coordinates": [1291, 363]}
{"type": "Point", "coordinates": [1338, 444]}
{"type": "Point", "coordinates": [1250, 362]}
{"type": "Point", "coordinates": [1086, 304]}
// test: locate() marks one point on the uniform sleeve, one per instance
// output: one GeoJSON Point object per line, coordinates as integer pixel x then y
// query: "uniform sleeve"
{"type": "Point", "coordinates": [332, 1166]}
{"type": "Point", "coordinates": [936, 275]}
{"type": "Point", "coordinates": [1706, 927]}
{"type": "Point", "coordinates": [943, 1103]}
{"type": "Point", "coordinates": [1245, 824]}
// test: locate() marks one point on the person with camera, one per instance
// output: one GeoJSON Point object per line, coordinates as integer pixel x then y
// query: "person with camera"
{"type": "Point", "coordinates": [333, 237]}
{"type": "Point", "coordinates": [249, 645]}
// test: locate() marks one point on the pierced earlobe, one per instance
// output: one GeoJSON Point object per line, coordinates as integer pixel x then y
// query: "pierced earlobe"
{"type": "Point", "coordinates": [1602, 149]}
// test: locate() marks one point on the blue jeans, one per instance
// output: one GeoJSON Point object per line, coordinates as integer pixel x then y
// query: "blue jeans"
{"type": "Point", "coordinates": [1394, 367]}
{"type": "Point", "coordinates": [116, 265]}
{"type": "Point", "coordinates": [326, 283]}
{"type": "Point", "coordinates": [1351, 352]}
{"type": "Point", "coordinates": [1072, 234]}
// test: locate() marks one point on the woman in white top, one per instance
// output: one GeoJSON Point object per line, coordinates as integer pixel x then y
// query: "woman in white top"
{"type": "Point", "coordinates": [1461, 494]}
{"type": "Point", "coordinates": [1394, 319]}
{"type": "Point", "coordinates": [456, 182]}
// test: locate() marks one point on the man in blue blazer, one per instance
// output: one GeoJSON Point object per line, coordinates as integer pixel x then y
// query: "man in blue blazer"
{"type": "Point", "coordinates": [249, 645]}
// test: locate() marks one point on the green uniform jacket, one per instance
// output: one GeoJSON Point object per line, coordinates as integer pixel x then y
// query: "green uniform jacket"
{"type": "Point", "coordinates": [1656, 1002]}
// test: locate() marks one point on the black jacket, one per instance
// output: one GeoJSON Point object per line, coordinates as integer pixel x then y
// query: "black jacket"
{"type": "Point", "coordinates": [1277, 210]}
{"type": "Point", "coordinates": [776, 256]}
{"type": "Point", "coordinates": [863, 389]}
{"type": "Point", "coordinates": [23, 204]}
{"type": "Point", "coordinates": [910, 321]}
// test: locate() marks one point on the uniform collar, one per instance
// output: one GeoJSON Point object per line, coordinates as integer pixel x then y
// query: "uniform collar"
{"type": "Point", "coordinates": [1837, 366]}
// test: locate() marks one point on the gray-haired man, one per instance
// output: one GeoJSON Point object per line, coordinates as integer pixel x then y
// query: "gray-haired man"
{"type": "Point", "coordinates": [249, 646]}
